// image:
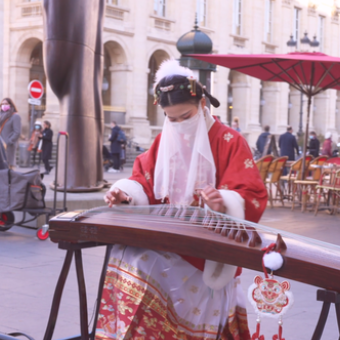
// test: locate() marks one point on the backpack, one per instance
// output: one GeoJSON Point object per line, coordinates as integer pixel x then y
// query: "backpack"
{"type": "Point", "coordinates": [121, 138]}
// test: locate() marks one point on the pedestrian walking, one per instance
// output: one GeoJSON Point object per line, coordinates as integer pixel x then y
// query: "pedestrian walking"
{"type": "Point", "coordinates": [235, 124]}
{"type": "Point", "coordinates": [10, 129]}
{"type": "Point", "coordinates": [314, 145]}
{"type": "Point", "coordinates": [116, 147]}
{"type": "Point", "coordinates": [35, 140]}
{"type": "Point", "coordinates": [46, 136]}
{"type": "Point", "coordinates": [327, 145]}
{"type": "Point", "coordinates": [288, 144]}
{"type": "Point", "coordinates": [262, 141]}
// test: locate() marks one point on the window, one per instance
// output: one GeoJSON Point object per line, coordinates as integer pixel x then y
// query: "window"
{"type": "Point", "coordinates": [321, 31]}
{"type": "Point", "coordinates": [296, 26]}
{"type": "Point", "coordinates": [201, 6]}
{"type": "Point", "coordinates": [112, 2]}
{"type": "Point", "coordinates": [268, 29]}
{"type": "Point", "coordinates": [159, 7]}
{"type": "Point", "coordinates": [237, 17]}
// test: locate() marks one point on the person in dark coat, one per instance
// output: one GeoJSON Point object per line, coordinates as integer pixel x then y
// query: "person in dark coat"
{"type": "Point", "coordinates": [288, 144]}
{"type": "Point", "coordinates": [262, 141]}
{"type": "Point", "coordinates": [116, 147]}
{"type": "Point", "coordinates": [314, 145]}
{"type": "Point", "coordinates": [46, 153]}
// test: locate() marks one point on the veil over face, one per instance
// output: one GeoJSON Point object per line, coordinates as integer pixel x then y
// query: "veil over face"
{"type": "Point", "coordinates": [185, 162]}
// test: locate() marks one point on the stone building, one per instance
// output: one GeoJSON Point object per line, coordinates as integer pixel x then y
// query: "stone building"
{"type": "Point", "coordinates": [139, 35]}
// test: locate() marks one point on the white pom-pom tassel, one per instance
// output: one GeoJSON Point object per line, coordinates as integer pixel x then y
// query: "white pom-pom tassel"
{"type": "Point", "coordinates": [273, 260]}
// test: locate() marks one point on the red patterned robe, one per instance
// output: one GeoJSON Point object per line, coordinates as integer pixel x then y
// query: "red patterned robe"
{"type": "Point", "coordinates": [159, 295]}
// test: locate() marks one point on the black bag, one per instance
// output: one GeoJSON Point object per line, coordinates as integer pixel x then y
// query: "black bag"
{"type": "Point", "coordinates": [21, 190]}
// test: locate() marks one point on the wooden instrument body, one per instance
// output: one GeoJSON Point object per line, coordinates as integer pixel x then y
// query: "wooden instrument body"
{"type": "Point", "coordinates": [305, 260]}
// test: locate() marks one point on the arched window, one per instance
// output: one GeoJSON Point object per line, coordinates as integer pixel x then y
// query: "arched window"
{"type": "Point", "coordinates": [159, 7]}
{"type": "Point", "coordinates": [201, 10]}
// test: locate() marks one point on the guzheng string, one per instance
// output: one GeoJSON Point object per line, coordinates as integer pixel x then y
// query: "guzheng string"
{"type": "Point", "coordinates": [148, 214]}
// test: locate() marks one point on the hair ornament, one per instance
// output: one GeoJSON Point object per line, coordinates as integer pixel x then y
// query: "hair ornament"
{"type": "Point", "coordinates": [155, 96]}
{"type": "Point", "coordinates": [167, 88]}
{"type": "Point", "coordinates": [192, 82]}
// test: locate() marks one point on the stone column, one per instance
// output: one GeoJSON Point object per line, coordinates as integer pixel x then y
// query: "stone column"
{"type": "Point", "coordinates": [282, 110]}
{"type": "Point", "coordinates": [253, 111]}
{"type": "Point", "coordinates": [337, 111]}
{"type": "Point", "coordinates": [294, 112]}
{"type": "Point", "coordinates": [19, 79]}
{"type": "Point", "coordinates": [271, 104]}
{"type": "Point", "coordinates": [220, 91]}
{"type": "Point", "coordinates": [138, 86]}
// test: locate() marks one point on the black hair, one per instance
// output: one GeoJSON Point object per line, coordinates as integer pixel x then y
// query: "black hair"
{"type": "Point", "coordinates": [179, 89]}
{"type": "Point", "coordinates": [266, 128]}
{"type": "Point", "coordinates": [289, 128]}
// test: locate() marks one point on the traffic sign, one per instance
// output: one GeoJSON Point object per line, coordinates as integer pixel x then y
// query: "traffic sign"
{"type": "Point", "coordinates": [33, 101]}
{"type": "Point", "coordinates": [35, 89]}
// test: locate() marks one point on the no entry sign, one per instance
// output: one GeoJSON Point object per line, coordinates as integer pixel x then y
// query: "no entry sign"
{"type": "Point", "coordinates": [35, 89]}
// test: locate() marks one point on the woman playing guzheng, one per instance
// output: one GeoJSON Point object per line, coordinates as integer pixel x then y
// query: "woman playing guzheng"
{"type": "Point", "coordinates": [160, 295]}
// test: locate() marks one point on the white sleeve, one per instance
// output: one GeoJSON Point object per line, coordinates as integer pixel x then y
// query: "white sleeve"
{"type": "Point", "coordinates": [217, 275]}
{"type": "Point", "coordinates": [133, 189]}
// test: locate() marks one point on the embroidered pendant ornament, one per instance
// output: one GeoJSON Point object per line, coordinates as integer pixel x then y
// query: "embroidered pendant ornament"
{"type": "Point", "coordinates": [268, 296]}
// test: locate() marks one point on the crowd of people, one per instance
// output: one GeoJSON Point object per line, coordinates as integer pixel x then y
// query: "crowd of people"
{"type": "Point", "coordinates": [289, 146]}
{"type": "Point", "coordinates": [40, 142]}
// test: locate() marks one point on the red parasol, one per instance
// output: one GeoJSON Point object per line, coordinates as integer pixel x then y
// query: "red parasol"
{"type": "Point", "coordinates": [310, 73]}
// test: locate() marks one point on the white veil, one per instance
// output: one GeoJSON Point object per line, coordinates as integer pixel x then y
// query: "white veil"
{"type": "Point", "coordinates": [185, 162]}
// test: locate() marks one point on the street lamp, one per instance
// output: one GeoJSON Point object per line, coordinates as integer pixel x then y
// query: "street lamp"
{"type": "Point", "coordinates": [306, 43]}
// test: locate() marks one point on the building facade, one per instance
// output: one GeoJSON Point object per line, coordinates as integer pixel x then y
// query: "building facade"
{"type": "Point", "coordinates": [139, 35]}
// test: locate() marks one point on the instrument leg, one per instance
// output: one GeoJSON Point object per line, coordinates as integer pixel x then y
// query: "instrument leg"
{"type": "Point", "coordinates": [82, 295]}
{"type": "Point", "coordinates": [57, 296]}
{"type": "Point", "coordinates": [327, 297]}
{"type": "Point", "coordinates": [100, 289]}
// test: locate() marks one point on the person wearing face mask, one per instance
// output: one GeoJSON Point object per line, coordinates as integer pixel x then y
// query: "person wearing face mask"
{"type": "Point", "coordinates": [35, 140]}
{"type": "Point", "coordinates": [314, 144]}
{"type": "Point", "coordinates": [10, 129]}
{"type": "Point", "coordinates": [195, 159]}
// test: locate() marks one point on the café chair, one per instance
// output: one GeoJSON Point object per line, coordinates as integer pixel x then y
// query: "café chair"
{"type": "Point", "coordinates": [263, 165]}
{"type": "Point", "coordinates": [274, 174]}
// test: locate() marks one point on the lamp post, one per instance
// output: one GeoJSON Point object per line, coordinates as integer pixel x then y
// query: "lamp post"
{"type": "Point", "coordinates": [306, 43]}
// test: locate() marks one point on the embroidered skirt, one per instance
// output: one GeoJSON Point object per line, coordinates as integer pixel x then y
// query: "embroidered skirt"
{"type": "Point", "coordinates": [151, 295]}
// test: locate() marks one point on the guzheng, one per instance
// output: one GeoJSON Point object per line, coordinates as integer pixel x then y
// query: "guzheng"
{"type": "Point", "coordinates": [196, 232]}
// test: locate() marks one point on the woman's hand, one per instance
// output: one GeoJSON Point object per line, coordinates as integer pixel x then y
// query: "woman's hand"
{"type": "Point", "coordinates": [116, 196]}
{"type": "Point", "coordinates": [213, 199]}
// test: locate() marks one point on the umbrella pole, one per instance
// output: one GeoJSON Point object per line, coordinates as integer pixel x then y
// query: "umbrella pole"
{"type": "Point", "coordinates": [306, 138]}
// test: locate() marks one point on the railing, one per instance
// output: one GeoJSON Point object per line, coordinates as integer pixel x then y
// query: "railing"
{"type": "Point", "coordinates": [161, 22]}
{"type": "Point", "coordinates": [116, 12]}
{"type": "Point", "coordinates": [31, 9]}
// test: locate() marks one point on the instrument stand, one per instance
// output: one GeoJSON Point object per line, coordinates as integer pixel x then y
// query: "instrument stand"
{"type": "Point", "coordinates": [75, 248]}
{"type": "Point", "coordinates": [328, 297]}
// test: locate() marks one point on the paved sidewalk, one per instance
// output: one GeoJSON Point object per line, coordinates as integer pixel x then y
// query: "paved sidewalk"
{"type": "Point", "coordinates": [29, 270]}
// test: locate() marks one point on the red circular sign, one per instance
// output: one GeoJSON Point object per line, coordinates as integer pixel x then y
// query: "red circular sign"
{"type": "Point", "coordinates": [35, 89]}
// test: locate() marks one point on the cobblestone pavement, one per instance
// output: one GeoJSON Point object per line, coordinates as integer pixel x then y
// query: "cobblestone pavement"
{"type": "Point", "coordinates": [29, 270]}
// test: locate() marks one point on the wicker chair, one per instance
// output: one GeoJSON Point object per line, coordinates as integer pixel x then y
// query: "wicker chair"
{"type": "Point", "coordinates": [306, 188]}
{"type": "Point", "coordinates": [329, 189]}
{"type": "Point", "coordinates": [295, 173]}
{"type": "Point", "coordinates": [275, 173]}
{"type": "Point", "coordinates": [263, 165]}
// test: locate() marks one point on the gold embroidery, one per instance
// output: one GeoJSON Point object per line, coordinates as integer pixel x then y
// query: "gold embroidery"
{"type": "Point", "coordinates": [145, 257]}
{"type": "Point", "coordinates": [147, 176]}
{"type": "Point", "coordinates": [216, 312]}
{"type": "Point", "coordinates": [185, 279]}
{"type": "Point", "coordinates": [224, 187]}
{"type": "Point", "coordinates": [164, 274]}
{"type": "Point", "coordinates": [256, 203]}
{"type": "Point", "coordinates": [248, 163]}
{"type": "Point", "coordinates": [228, 136]}
{"type": "Point", "coordinates": [196, 311]}
{"type": "Point", "coordinates": [194, 289]}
